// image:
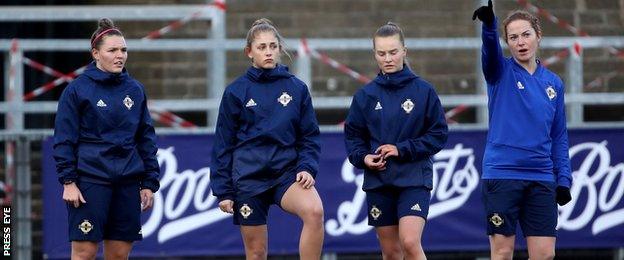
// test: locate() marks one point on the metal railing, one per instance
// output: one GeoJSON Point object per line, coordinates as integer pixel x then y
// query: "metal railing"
{"type": "Point", "coordinates": [575, 98]}
{"type": "Point", "coordinates": [216, 45]}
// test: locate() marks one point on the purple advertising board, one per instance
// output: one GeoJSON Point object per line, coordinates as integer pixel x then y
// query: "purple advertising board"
{"type": "Point", "coordinates": [186, 220]}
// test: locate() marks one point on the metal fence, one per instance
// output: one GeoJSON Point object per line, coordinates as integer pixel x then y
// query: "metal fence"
{"type": "Point", "coordinates": [17, 138]}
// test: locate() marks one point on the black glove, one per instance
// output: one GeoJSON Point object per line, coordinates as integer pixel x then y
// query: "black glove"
{"type": "Point", "coordinates": [485, 14]}
{"type": "Point", "coordinates": [563, 195]}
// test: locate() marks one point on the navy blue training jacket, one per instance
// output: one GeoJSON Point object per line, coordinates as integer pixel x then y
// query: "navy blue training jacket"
{"type": "Point", "coordinates": [266, 131]}
{"type": "Point", "coordinates": [103, 132]}
{"type": "Point", "coordinates": [400, 109]}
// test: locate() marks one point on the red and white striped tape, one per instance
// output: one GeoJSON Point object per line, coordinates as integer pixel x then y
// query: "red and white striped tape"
{"type": "Point", "coordinates": [220, 4]}
{"type": "Point", "coordinates": [162, 116]}
{"type": "Point", "coordinates": [43, 68]}
{"type": "Point", "coordinates": [168, 118]}
{"type": "Point", "coordinates": [555, 58]}
{"type": "Point", "coordinates": [546, 14]}
{"type": "Point", "coordinates": [54, 83]}
{"type": "Point", "coordinates": [179, 23]}
{"type": "Point", "coordinates": [333, 63]}
{"type": "Point", "coordinates": [600, 80]}
{"type": "Point", "coordinates": [455, 111]}
{"type": "Point", "coordinates": [564, 24]}
{"type": "Point", "coordinates": [172, 26]}
{"type": "Point", "coordinates": [361, 78]}
{"type": "Point", "coordinates": [577, 47]}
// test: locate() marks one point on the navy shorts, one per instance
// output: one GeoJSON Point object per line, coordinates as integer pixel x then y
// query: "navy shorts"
{"type": "Point", "coordinates": [531, 203]}
{"type": "Point", "coordinates": [254, 211]}
{"type": "Point", "coordinates": [111, 213]}
{"type": "Point", "coordinates": [387, 205]}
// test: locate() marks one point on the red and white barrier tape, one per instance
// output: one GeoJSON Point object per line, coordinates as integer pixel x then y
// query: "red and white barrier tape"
{"type": "Point", "coordinates": [220, 4]}
{"type": "Point", "coordinates": [546, 14]}
{"type": "Point", "coordinates": [43, 68]}
{"type": "Point", "coordinates": [455, 111]}
{"type": "Point", "coordinates": [179, 23]}
{"type": "Point", "coordinates": [165, 117]}
{"type": "Point", "coordinates": [577, 49]}
{"type": "Point", "coordinates": [168, 118]}
{"type": "Point", "coordinates": [555, 58]}
{"type": "Point", "coordinates": [576, 31]}
{"type": "Point", "coordinates": [333, 63]}
{"type": "Point", "coordinates": [172, 26]}
{"type": "Point", "coordinates": [564, 24]}
{"type": "Point", "coordinates": [361, 78]}
{"type": "Point", "coordinates": [54, 83]}
{"type": "Point", "coordinates": [601, 80]}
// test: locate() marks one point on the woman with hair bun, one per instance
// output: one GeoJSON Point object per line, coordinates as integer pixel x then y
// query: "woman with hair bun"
{"type": "Point", "coordinates": [105, 151]}
{"type": "Point", "coordinates": [266, 148]}
{"type": "Point", "coordinates": [526, 166]}
{"type": "Point", "coordinates": [394, 127]}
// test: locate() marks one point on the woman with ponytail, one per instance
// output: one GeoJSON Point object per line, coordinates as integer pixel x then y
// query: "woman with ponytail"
{"type": "Point", "coordinates": [105, 151]}
{"type": "Point", "coordinates": [266, 148]}
{"type": "Point", "coordinates": [394, 127]}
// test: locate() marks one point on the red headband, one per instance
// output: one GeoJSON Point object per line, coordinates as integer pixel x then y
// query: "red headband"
{"type": "Point", "coordinates": [100, 35]}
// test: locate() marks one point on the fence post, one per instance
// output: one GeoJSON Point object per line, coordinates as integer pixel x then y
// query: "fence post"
{"type": "Point", "coordinates": [23, 200]}
{"type": "Point", "coordinates": [303, 66]}
{"type": "Point", "coordinates": [216, 62]}
{"type": "Point", "coordinates": [574, 82]}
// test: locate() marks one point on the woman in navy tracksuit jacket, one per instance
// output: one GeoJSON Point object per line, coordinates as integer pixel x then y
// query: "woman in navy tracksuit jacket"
{"type": "Point", "coordinates": [526, 168]}
{"type": "Point", "coordinates": [266, 147]}
{"type": "Point", "coordinates": [105, 151]}
{"type": "Point", "coordinates": [394, 127]}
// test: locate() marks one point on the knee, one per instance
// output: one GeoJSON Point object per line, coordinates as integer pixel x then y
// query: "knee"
{"type": "Point", "coordinates": [257, 252]}
{"type": "Point", "coordinates": [392, 253]}
{"type": "Point", "coordinates": [503, 253]}
{"type": "Point", "coordinates": [83, 253]}
{"type": "Point", "coordinates": [411, 245]}
{"type": "Point", "coordinates": [314, 215]}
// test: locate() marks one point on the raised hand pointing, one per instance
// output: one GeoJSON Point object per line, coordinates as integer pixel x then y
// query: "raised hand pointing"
{"type": "Point", "coordinates": [485, 14]}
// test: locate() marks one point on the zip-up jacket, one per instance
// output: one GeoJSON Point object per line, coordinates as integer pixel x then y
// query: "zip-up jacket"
{"type": "Point", "coordinates": [400, 109]}
{"type": "Point", "coordinates": [103, 132]}
{"type": "Point", "coordinates": [266, 131]}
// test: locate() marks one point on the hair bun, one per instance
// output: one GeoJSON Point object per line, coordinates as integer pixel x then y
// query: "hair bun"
{"type": "Point", "coordinates": [262, 21]}
{"type": "Point", "coordinates": [106, 23]}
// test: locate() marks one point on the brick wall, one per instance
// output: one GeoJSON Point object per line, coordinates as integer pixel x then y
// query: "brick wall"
{"type": "Point", "coordinates": [182, 74]}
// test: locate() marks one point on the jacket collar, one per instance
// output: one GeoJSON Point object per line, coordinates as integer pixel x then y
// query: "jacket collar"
{"type": "Point", "coordinates": [397, 79]}
{"type": "Point", "coordinates": [265, 75]}
{"type": "Point", "coordinates": [96, 74]}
